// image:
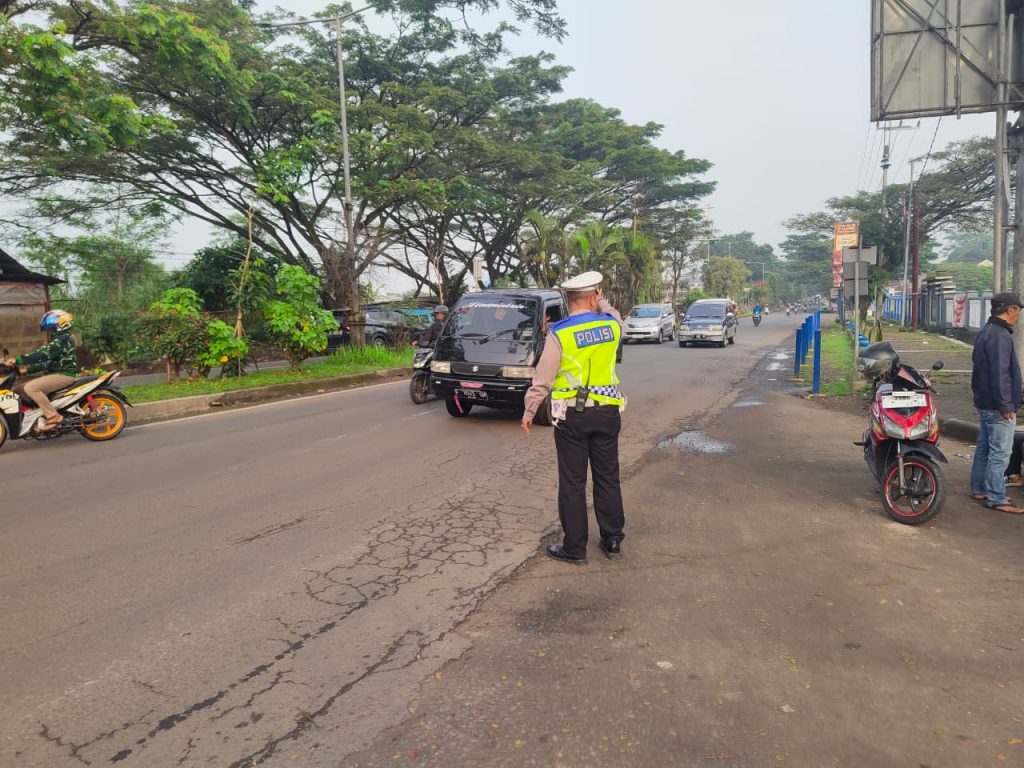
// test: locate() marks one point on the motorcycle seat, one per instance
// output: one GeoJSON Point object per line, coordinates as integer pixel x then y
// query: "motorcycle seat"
{"type": "Point", "coordinates": [77, 382]}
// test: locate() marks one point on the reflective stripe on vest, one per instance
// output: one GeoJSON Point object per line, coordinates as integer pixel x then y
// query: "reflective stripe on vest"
{"type": "Point", "coordinates": [590, 343]}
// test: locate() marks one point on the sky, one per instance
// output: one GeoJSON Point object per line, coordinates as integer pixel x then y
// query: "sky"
{"type": "Point", "coordinates": [774, 94]}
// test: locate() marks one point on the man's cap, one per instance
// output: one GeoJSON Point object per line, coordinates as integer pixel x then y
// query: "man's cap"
{"type": "Point", "coordinates": [1005, 300]}
{"type": "Point", "coordinates": [440, 309]}
{"type": "Point", "coordinates": [588, 281]}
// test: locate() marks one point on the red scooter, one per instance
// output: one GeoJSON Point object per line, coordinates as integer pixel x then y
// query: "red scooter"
{"type": "Point", "coordinates": [901, 443]}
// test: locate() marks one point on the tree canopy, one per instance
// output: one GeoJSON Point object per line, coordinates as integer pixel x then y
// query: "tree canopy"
{"type": "Point", "coordinates": [206, 109]}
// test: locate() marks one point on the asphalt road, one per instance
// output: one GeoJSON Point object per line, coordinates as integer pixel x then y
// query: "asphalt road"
{"type": "Point", "coordinates": [228, 589]}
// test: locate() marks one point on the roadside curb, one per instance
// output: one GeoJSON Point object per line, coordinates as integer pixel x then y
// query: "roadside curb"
{"type": "Point", "coordinates": [959, 429]}
{"type": "Point", "coordinates": [181, 407]}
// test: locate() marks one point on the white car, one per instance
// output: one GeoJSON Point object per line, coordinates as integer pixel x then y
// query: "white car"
{"type": "Point", "coordinates": [651, 322]}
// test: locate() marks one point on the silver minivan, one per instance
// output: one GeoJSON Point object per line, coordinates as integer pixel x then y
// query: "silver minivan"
{"type": "Point", "coordinates": [650, 322]}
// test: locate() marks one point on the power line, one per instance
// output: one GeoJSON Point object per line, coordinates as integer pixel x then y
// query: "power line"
{"type": "Point", "coordinates": [930, 147]}
{"type": "Point", "coordinates": [864, 157]}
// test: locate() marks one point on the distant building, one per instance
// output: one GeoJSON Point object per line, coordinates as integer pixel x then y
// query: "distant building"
{"type": "Point", "coordinates": [24, 298]}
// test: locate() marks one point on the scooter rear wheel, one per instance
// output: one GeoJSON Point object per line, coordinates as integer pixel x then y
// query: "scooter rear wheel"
{"type": "Point", "coordinates": [923, 496]}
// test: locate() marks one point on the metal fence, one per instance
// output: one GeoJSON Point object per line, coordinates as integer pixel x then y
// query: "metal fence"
{"type": "Point", "coordinates": [945, 309]}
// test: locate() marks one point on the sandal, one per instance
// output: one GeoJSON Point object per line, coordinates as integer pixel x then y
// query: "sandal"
{"type": "Point", "coordinates": [1008, 508]}
{"type": "Point", "coordinates": [51, 424]}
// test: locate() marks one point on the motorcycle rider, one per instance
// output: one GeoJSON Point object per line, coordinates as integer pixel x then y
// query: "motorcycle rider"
{"type": "Point", "coordinates": [430, 336]}
{"type": "Point", "coordinates": [57, 361]}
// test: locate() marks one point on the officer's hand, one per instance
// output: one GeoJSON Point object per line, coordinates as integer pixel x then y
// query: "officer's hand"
{"type": "Point", "coordinates": [525, 424]}
{"type": "Point", "coordinates": [23, 370]}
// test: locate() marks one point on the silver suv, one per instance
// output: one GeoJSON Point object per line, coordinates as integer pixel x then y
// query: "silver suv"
{"type": "Point", "coordinates": [651, 322]}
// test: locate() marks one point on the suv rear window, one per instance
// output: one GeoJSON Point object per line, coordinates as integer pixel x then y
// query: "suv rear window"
{"type": "Point", "coordinates": [492, 317]}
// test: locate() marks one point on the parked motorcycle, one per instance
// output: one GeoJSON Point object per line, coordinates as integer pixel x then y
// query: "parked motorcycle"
{"type": "Point", "coordinates": [757, 319]}
{"type": "Point", "coordinates": [419, 384]}
{"type": "Point", "coordinates": [91, 406]}
{"type": "Point", "coordinates": [901, 443]}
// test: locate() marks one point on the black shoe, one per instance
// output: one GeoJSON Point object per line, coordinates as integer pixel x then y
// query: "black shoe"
{"type": "Point", "coordinates": [612, 546]}
{"type": "Point", "coordinates": [556, 552]}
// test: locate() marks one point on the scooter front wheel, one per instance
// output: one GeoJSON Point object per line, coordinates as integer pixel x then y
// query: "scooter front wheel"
{"type": "Point", "coordinates": [922, 495]}
{"type": "Point", "coordinates": [419, 388]}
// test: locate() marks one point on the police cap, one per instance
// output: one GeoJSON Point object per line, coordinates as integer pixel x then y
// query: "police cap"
{"type": "Point", "coordinates": [588, 281]}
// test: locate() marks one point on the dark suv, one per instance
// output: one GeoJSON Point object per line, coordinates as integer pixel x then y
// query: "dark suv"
{"type": "Point", "coordinates": [385, 327]}
{"type": "Point", "coordinates": [489, 346]}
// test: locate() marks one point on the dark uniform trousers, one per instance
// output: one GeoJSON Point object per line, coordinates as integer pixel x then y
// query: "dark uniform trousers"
{"type": "Point", "coordinates": [581, 438]}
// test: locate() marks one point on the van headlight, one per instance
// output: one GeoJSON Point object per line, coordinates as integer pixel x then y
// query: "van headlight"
{"type": "Point", "coordinates": [684, 327]}
{"type": "Point", "coordinates": [518, 371]}
{"type": "Point", "coordinates": [440, 366]}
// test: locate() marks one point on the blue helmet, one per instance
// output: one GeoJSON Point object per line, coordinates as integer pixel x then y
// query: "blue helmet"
{"type": "Point", "coordinates": [56, 321]}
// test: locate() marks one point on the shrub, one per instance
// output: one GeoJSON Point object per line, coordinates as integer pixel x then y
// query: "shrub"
{"type": "Point", "coordinates": [174, 329]}
{"type": "Point", "coordinates": [222, 348]}
{"type": "Point", "coordinates": [298, 323]}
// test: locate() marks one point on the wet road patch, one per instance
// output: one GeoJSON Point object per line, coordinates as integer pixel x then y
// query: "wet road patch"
{"type": "Point", "coordinates": [695, 442]}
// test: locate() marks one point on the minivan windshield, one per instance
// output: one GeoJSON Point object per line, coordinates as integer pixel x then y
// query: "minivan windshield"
{"type": "Point", "coordinates": [505, 317]}
{"type": "Point", "coordinates": [706, 310]}
{"type": "Point", "coordinates": [645, 312]}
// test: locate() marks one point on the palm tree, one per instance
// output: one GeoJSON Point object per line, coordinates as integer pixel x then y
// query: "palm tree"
{"type": "Point", "coordinates": [598, 245]}
{"type": "Point", "coordinates": [546, 248]}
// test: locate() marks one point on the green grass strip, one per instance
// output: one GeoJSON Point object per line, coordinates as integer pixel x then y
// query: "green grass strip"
{"type": "Point", "coordinates": [345, 361]}
{"type": "Point", "coordinates": [837, 374]}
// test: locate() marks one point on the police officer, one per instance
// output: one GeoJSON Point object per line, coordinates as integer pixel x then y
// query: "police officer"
{"type": "Point", "coordinates": [577, 369]}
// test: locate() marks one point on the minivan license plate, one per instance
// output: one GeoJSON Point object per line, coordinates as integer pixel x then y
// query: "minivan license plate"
{"type": "Point", "coordinates": [473, 394]}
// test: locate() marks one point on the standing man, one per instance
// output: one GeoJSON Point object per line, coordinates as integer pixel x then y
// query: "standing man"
{"type": "Point", "coordinates": [996, 383]}
{"type": "Point", "coordinates": [577, 368]}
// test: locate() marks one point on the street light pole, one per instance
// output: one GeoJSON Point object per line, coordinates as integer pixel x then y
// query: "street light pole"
{"type": "Point", "coordinates": [346, 165]}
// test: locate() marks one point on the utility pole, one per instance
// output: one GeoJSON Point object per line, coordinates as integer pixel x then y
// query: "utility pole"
{"type": "Point", "coordinates": [906, 246]}
{"type": "Point", "coordinates": [886, 153]}
{"type": "Point", "coordinates": [916, 201]}
{"type": "Point", "coordinates": [1017, 140]}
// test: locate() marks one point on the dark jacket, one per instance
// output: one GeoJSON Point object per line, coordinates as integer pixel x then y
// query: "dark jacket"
{"type": "Point", "coordinates": [995, 378]}
{"type": "Point", "coordinates": [430, 336]}
{"type": "Point", "coordinates": [56, 357]}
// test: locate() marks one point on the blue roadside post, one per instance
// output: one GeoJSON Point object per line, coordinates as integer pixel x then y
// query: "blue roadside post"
{"type": "Point", "coordinates": [796, 352]}
{"type": "Point", "coordinates": [816, 381]}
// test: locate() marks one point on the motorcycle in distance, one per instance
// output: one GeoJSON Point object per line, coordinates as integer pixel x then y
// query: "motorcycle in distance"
{"type": "Point", "coordinates": [92, 406]}
{"type": "Point", "coordinates": [419, 384]}
{"type": "Point", "coordinates": [757, 318]}
{"type": "Point", "coordinates": [901, 442]}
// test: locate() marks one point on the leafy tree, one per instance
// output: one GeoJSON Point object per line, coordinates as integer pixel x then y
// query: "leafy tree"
{"type": "Point", "coordinates": [727, 277]}
{"type": "Point", "coordinates": [297, 322]}
{"type": "Point", "coordinates": [230, 115]}
{"type": "Point", "coordinates": [969, 247]}
{"type": "Point", "coordinates": [213, 274]}
{"type": "Point", "coordinates": [807, 268]}
{"type": "Point", "coordinates": [967, 277]}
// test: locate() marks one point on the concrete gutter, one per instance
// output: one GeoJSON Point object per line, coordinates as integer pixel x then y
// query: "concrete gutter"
{"type": "Point", "coordinates": [959, 429]}
{"type": "Point", "coordinates": [180, 407]}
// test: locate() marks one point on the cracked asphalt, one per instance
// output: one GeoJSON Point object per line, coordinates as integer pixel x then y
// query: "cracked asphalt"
{"type": "Point", "coordinates": [271, 586]}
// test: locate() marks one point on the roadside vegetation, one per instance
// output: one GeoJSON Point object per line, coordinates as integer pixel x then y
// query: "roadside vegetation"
{"type": "Point", "coordinates": [837, 373]}
{"type": "Point", "coordinates": [343, 362]}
